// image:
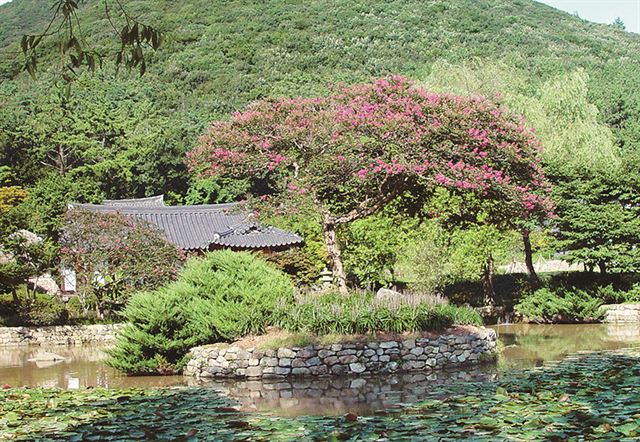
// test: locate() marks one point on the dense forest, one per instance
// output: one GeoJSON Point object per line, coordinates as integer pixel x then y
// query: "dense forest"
{"type": "Point", "coordinates": [116, 134]}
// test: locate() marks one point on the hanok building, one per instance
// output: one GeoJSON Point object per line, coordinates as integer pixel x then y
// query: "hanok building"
{"type": "Point", "coordinates": [197, 229]}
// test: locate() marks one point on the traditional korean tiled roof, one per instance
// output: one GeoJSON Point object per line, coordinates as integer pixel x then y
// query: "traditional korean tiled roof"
{"type": "Point", "coordinates": [150, 201]}
{"type": "Point", "coordinates": [201, 227]}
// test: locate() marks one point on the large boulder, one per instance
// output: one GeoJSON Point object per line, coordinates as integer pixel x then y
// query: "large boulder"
{"type": "Point", "coordinates": [386, 296]}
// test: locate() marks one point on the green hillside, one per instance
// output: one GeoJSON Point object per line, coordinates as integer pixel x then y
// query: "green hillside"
{"type": "Point", "coordinates": [126, 135]}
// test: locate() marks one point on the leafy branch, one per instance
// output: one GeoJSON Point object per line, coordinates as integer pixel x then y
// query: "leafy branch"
{"type": "Point", "coordinates": [76, 52]}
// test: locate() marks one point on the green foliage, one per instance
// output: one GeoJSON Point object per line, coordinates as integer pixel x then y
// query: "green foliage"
{"type": "Point", "coordinates": [11, 196]}
{"type": "Point", "coordinates": [298, 263]}
{"type": "Point", "coordinates": [302, 264]}
{"type": "Point", "coordinates": [374, 245]}
{"type": "Point", "coordinates": [47, 201]}
{"type": "Point", "coordinates": [599, 218]}
{"type": "Point", "coordinates": [214, 190]}
{"type": "Point", "coordinates": [361, 313]}
{"type": "Point", "coordinates": [43, 310]}
{"type": "Point", "coordinates": [571, 305]}
{"type": "Point", "coordinates": [32, 310]}
{"type": "Point", "coordinates": [425, 260]}
{"type": "Point", "coordinates": [24, 256]}
{"type": "Point", "coordinates": [221, 297]}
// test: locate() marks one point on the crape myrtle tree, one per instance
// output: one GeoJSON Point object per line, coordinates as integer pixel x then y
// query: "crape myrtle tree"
{"type": "Point", "coordinates": [114, 256]}
{"type": "Point", "coordinates": [352, 152]}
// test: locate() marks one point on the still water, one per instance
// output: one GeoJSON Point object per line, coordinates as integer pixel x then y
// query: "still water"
{"type": "Point", "coordinates": [524, 346]}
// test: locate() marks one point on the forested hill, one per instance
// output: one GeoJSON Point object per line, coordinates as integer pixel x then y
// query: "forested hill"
{"type": "Point", "coordinates": [125, 136]}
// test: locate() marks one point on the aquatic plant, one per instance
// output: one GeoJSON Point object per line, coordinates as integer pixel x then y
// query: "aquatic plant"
{"type": "Point", "coordinates": [586, 397]}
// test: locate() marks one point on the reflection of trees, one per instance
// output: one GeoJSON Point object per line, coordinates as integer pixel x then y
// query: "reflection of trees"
{"type": "Point", "coordinates": [537, 343]}
{"type": "Point", "coordinates": [85, 362]}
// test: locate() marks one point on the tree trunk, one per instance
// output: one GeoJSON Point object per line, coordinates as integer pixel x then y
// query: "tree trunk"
{"type": "Point", "coordinates": [14, 293]}
{"type": "Point", "coordinates": [487, 282]}
{"type": "Point", "coordinates": [333, 250]}
{"type": "Point", "coordinates": [528, 257]}
{"type": "Point", "coordinates": [602, 265]}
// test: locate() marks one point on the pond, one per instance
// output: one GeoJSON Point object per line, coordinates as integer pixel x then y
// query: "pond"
{"type": "Point", "coordinates": [524, 346]}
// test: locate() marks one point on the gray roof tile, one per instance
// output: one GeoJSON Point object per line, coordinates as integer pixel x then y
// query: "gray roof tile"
{"type": "Point", "coordinates": [200, 227]}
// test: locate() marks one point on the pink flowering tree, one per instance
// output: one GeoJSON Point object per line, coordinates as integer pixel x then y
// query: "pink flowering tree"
{"type": "Point", "coordinates": [113, 256]}
{"type": "Point", "coordinates": [352, 152]}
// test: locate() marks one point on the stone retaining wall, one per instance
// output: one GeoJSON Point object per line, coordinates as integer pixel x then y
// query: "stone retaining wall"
{"type": "Point", "coordinates": [59, 335]}
{"type": "Point", "coordinates": [471, 346]}
{"type": "Point", "coordinates": [622, 313]}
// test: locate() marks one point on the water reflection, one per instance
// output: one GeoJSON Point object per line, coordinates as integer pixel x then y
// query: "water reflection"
{"type": "Point", "coordinates": [524, 346]}
{"type": "Point", "coordinates": [82, 366]}
{"type": "Point", "coordinates": [530, 345]}
{"type": "Point", "coordinates": [336, 396]}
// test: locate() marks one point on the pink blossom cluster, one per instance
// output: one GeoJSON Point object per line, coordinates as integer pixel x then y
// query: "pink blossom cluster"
{"type": "Point", "coordinates": [365, 135]}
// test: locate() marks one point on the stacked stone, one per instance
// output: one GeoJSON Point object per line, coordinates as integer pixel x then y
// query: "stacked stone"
{"type": "Point", "coordinates": [59, 335]}
{"type": "Point", "coordinates": [628, 313]}
{"type": "Point", "coordinates": [344, 358]}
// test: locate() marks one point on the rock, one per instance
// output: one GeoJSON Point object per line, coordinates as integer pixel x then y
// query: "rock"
{"type": "Point", "coordinates": [282, 371]}
{"type": "Point", "coordinates": [388, 344]}
{"type": "Point", "coordinates": [357, 367]}
{"type": "Point", "coordinates": [300, 371]}
{"type": "Point", "coordinates": [269, 362]}
{"type": "Point", "coordinates": [331, 360]}
{"type": "Point", "coordinates": [387, 296]}
{"type": "Point", "coordinates": [325, 353]}
{"type": "Point", "coordinates": [348, 359]}
{"type": "Point", "coordinates": [339, 369]}
{"type": "Point", "coordinates": [297, 363]}
{"type": "Point", "coordinates": [46, 356]}
{"type": "Point", "coordinates": [313, 361]}
{"type": "Point", "coordinates": [307, 352]}
{"type": "Point", "coordinates": [286, 353]}
{"type": "Point", "coordinates": [346, 352]}
{"type": "Point", "coordinates": [417, 351]}
{"type": "Point", "coordinates": [409, 343]}
{"type": "Point", "coordinates": [253, 372]}
{"type": "Point", "coordinates": [284, 362]}
{"type": "Point", "coordinates": [319, 370]}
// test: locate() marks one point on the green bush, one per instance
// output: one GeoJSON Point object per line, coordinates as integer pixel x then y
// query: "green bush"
{"type": "Point", "coordinates": [43, 310]}
{"type": "Point", "coordinates": [610, 295]}
{"type": "Point", "coordinates": [571, 305]}
{"type": "Point", "coordinates": [222, 297]}
{"type": "Point", "coordinates": [361, 313]}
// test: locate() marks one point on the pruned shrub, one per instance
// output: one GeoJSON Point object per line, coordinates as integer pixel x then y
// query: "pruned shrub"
{"type": "Point", "coordinates": [221, 297]}
{"type": "Point", "coordinates": [570, 305]}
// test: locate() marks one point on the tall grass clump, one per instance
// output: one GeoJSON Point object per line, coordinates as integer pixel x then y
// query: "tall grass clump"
{"type": "Point", "coordinates": [362, 313]}
{"type": "Point", "coordinates": [221, 297]}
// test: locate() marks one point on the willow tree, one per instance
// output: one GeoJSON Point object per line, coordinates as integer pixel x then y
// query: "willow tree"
{"type": "Point", "coordinates": [580, 152]}
{"type": "Point", "coordinates": [350, 153]}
